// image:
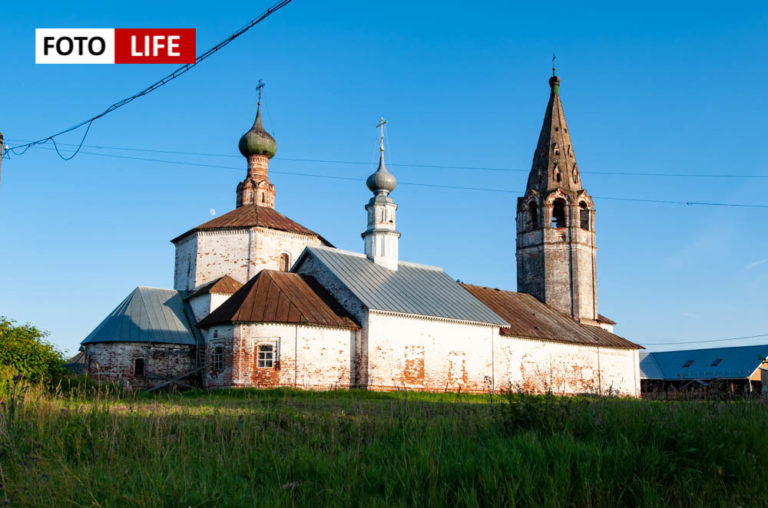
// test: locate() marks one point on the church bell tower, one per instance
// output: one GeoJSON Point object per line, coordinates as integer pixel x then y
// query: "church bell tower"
{"type": "Point", "coordinates": [556, 252]}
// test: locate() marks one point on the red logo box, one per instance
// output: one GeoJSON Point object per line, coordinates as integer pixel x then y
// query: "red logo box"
{"type": "Point", "coordinates": [155, 46]}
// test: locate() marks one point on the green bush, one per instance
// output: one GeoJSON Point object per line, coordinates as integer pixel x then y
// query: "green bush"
{"type": "Point", "coordinates": [23, 348]}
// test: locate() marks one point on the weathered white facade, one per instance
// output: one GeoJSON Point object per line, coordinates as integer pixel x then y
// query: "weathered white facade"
{"type": "Point", "coordinates": [204, 256]}
{"type": "Point", "coordinates": [309, 357]}
{"type": "Point", "coordinates": [420, 353]}
{"type": "Point", "coordinates": [204, 304]}
{"type": "Point", "coordinates": [540, 366]}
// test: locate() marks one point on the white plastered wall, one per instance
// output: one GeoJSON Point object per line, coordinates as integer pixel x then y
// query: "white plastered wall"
{"type": "Point", "coordinates": [310, 357]}
{"type": "Point", "coordinates": [535, 365]}
{"type": "Point", "coordinates": [420, 353]}
{"type": "Point", "coordinates": [241, 253]}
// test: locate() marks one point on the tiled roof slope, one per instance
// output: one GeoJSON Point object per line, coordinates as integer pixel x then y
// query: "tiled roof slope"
{"type": "Point", "coordinates": [253, 215]}
{"type": "Point", "coordinates": [715, 363]}
{"type": "Point", "coordinates": [529, 318]}
{"type": "Point", "coordinates": [281, 297]}
{"type": "Point", "coordinates": [147, 315]}
{"type": "Point", "coordinates": [224, 285]}
{"type": "Point", "coordinates": [411, 289]}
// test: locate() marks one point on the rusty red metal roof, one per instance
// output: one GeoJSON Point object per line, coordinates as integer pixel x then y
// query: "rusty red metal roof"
{"type": "Point", "coordinates": [531, 319]}
{"type": "Point", "coordinates": [603, 319]}
{"type": "Point", "coordinates": [282, 297]}
{"type": "Point", "coordinates": [224, 285]}
{"type": "Point", "coordinates": [253, 215]}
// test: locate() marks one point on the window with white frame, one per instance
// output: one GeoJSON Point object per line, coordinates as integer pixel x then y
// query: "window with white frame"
{"type": "Point", "coordinates": [218, 358]}
{"type": "Point", "coordinates": [266, 355]}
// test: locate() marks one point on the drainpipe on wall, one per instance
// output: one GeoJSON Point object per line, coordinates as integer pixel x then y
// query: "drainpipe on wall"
{"type": "Point", "coordinates": [248, 258]}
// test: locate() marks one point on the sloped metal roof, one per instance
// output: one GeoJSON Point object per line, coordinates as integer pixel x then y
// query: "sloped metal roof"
{"type": "Point", "coordinates": [532, 319]}
{"type": "Point", "coordinates": [224, 285]}
{"type": "Point", "coordinates": [250, 216]}
{"type": "Point", "coordinates": [411, 289]}
{"type": "Point", "coordinates": [716, 363]}
{"type": "Point", "coordinates": [649, 369]}
{"type": "Point", "coordinates": [146, 315]}
{"type": "Point", "coordinates": [282, 297]}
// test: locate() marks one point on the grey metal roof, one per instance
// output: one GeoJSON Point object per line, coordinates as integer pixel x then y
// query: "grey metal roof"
{"type": "Point", "coordinates": [649, 369]}
{"type": "Point", "coordinates": [411, 289]}
{"type": "Point", "coordinates": [146, 315]}
{"type": "Point", "coordinates": [716, 363]}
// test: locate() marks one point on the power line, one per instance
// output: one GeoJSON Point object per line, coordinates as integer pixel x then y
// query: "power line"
{"type": "Point", "coordinates": [705, 340]}
{"type": "Point", "coordinates": [21, 149]}
{"type": "Point", "coordinates": [426, 166]}
{"type": "Point", "coordinates": [420, 184]}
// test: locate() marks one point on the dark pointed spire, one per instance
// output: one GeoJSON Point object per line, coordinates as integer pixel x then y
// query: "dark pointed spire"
{"type": "Point", "coordinates": [554, 163]}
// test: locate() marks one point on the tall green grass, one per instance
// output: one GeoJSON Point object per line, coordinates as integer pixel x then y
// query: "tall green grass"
{"type": "Point", "coordinates": [250, 447]}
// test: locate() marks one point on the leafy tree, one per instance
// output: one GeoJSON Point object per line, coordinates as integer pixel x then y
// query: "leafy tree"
{"type": "Point", "coordinates": [23, 348]}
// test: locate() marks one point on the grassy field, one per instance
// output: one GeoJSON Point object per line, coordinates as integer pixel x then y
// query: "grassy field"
{"type": "Point", "coordinates": [250, 447]}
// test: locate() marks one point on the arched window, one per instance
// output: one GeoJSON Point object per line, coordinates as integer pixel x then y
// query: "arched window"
{"type": "Point", "coordinates": [285, 262]}
{"type": "Point", "coordinates": [583, 215]}
{"type": "Point", "coordinates": [558, 174]}
{"type": "Point", "coordinates": [558, 213]}
{"type": "Point", "coordinates": [138, 367]}
{"type": "Point", "coordinates": [532, 217]}
{"type": "Point", "coordinates": [263, 197]}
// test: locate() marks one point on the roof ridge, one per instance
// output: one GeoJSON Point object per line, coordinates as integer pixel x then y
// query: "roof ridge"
{"type": "Point", "coordinates": [153, 333]}
{"type": "Point", "coordinates": [707, 349]}
{"type": "Point", "coordinates": [362, 255]}
{"type": "Point", "coordinates": [154, 287]}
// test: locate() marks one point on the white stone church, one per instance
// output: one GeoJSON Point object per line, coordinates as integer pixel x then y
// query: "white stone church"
{"type": "Point", "coordinates": [259, 300]}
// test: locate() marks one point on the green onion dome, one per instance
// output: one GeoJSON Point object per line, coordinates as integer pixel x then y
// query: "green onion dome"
{"type": "Point", "coordinates": [257, 141]}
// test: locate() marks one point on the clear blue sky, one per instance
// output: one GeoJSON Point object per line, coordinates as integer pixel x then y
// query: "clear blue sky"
{"type": "Point", "coordinates": [661, 87]}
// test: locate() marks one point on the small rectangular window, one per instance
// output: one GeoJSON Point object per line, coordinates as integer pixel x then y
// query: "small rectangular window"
{"type": "Point", "coordinates": [717, 362]}
{"type": "Point", "coordinates": [218, 358]}
{"type": "Point", "coordinates": [688, 363]}
{"type": "Point", "coordinates": [265, 356]}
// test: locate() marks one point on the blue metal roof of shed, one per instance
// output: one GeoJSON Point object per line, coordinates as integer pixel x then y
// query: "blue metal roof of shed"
{"type": "Point", "coordinates": [146, 315]}
{"type": "Point", "coordinates": [411, 289]}
{"type": "Point", "coordinates": [717, 363]}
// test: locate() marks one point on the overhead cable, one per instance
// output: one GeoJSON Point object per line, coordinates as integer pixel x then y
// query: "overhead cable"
{"type": "Point", "coordinates": [420, 184]}
{"type": "Point", "coordinates": [21, 149]}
